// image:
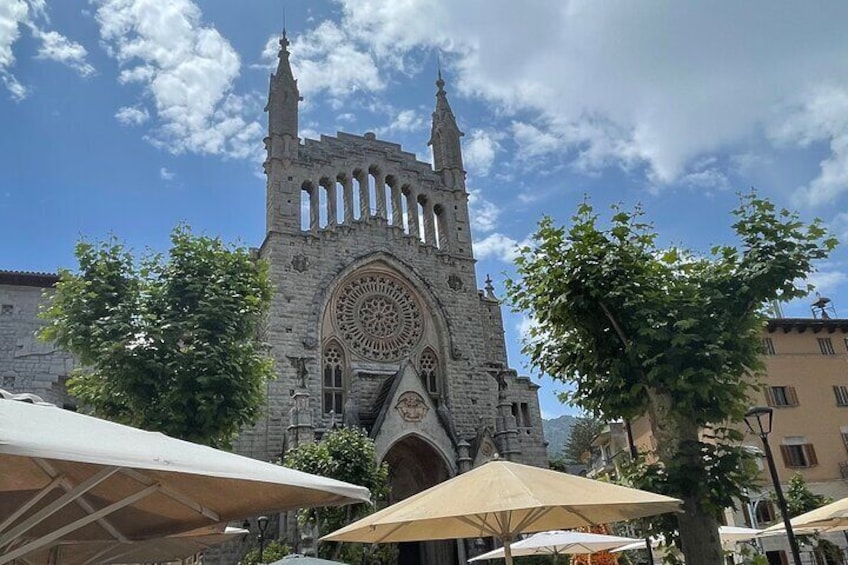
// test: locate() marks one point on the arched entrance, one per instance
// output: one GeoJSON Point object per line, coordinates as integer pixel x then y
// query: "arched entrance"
{"type": "Point", "coordinates": [414, 465]}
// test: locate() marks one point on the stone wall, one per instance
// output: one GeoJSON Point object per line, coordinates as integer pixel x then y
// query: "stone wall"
{"type": "Point", "coordinates": [26, 363]}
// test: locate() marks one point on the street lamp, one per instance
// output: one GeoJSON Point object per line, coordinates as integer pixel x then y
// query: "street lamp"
{"type": "Point", "coordinates": [759, 420]}
{"type": "Point", "coordinates": [262, 522]}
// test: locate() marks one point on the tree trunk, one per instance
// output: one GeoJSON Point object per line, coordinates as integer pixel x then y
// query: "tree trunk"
{"type": "Point", "coordinates": [697, 526]}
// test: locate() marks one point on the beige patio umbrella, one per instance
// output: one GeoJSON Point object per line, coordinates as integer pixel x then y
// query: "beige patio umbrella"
{"type": "Point", "coordinates": [66, 477]}
{"type": "Point", "coordinates": [559, 542]}
{"type": "Point", "coordinates": [504, 499]}
{"type": "Point", "coordinates": [831, 517]}
{"type": "Point", "coordinates": [158, 550]}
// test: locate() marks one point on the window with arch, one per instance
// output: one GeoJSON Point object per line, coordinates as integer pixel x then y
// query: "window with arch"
{"type": "Point", "coordinates": [429, 367]}
{"type": "Point", "coordinates": [333, 379]}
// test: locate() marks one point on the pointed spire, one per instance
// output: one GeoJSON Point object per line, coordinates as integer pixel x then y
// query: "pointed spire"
{"type": "Point", "coordinates": [444, 137]}
{"type": "Point", "coordinates": [283, 95]}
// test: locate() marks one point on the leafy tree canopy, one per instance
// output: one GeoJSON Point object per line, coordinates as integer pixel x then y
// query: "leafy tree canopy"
{"type": "Point", "coordinates": [579, 441]}
{"type": "Point", "coordinates": [637, 329]}
{"type": "Point", "coordinates": [166, 344]}
{"type": "Point", "coordinates": [345, 454]}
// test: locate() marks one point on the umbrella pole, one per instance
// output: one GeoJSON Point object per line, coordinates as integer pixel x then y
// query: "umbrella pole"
{"type": "Point", "coordinates": [507, 552]}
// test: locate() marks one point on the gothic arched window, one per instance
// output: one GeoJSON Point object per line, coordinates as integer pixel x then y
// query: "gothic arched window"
{"type": "Point", "coordinates": [429, 367]}
{"type": "Point", "coordinates": [333, 379]}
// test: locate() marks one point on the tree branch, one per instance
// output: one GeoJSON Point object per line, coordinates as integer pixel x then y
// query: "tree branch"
{"type": "Point", "coordinates": [614, 323]}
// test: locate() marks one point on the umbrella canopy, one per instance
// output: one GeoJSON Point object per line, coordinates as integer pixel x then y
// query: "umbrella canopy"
{"type": "Point", "coordinates": [158, 550]}
{"type": "Point", "coordinates": [560, 542]}
{"type": "Point", "coordinates": [298, 559]}
{"type": "Point", "coordinates": [69, 477]}
{"type": "Point", "coordinates": [831, 517]}
{"type": "Point", "coordinates": [503, 499]}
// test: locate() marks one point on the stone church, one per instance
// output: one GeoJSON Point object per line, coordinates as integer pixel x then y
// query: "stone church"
{"type": "Point", "coordinates": [376, 320]}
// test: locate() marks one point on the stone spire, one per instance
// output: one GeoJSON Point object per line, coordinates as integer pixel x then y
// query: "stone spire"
{"type": "Point", "coordinates": [283, 96]}
{"type": "Point", "coordinates": [444, 138]}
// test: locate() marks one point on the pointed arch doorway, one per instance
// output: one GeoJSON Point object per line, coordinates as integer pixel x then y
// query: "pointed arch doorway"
{"type": "Point", "coordinates": [415, 465]}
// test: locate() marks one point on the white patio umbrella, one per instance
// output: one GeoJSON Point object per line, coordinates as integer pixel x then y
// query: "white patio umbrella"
{"type": "Point", "coordinates": [504, 499]}
{"type": "Point", "coordinates": [831, 517]}
{"type": "Point", "coordinates": [156, 550]}
{"type": "Point", "coordinates": [728, 535]}
{"type": "Point", "coordinates": [559, 542]}
{"type": "Point", "coordinates": [69, 477]}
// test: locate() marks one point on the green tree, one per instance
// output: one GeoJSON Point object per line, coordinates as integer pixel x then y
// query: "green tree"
{"type": "Point", "coordinates": [168, 345]}
{"type": "Point", "coordinates": [640, 330]}
{"type": "Point", "coordinates": [579, 442]}
{"type": "Point", "coordinates": [800, 499]}
{"type": "Point", "coordinates": [273, 551]}
{"type": "Point", "coordinates": [345, 454]}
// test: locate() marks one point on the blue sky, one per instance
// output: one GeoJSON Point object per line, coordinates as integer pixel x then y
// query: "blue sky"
{"type": "Point", "coordinates": [126, 117]}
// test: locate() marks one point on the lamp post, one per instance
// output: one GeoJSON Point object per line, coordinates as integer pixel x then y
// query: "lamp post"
{"type": "Point", "coordinates": [759, 420]}
{"type": "Point", "coordinates": [262, 522]}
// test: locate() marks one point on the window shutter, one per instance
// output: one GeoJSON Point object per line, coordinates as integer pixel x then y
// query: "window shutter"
{"type": "Point", "coordinates": [810, 452]}
{"type": "Point", "coordinates": [845, 440]}
{"type": "Point", "coordinates": [783, 559]}
{"type": "Point", "coordinates": [787, 457]}
{"type": "Point", "coordinates": [770, 396]}
{"type": "Point", "coordinates": [791, 396]}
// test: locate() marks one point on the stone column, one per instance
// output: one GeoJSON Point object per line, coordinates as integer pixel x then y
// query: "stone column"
{"type": "Point", "coordinates": [380, 191]}
{"type": "Point", "coordinates": [412, 213]}
{"type": "Point", "coordinates": [397, 212]}
{"type": "Point", "coordinates": [364, 196]}
{"type": "Point", "coordinates": [332, 206]}
{"type": "Point", "coordinates": [463, 459]}
{"type": "Point", "coordinates": [313, 208]}
{"type": "Point", "coordinates": [300, 429]}
{"type": "Point", "coordinates": [347, 190]}
{"type": "Point", "coordinates": [429, 228]}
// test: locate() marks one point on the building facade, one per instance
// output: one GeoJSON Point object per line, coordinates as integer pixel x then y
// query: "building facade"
{"type": "Point", "coordinates": [376, 320]}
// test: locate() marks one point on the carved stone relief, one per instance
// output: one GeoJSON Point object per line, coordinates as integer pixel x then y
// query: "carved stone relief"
{"type": "Point", "coordinates": [411, 406]}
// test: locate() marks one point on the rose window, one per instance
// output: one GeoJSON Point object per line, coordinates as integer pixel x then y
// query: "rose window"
{"type": "Point", "coordinates": [378, 318]}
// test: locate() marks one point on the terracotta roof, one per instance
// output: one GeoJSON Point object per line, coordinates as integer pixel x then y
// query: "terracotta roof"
{"type": "Point", "coordinates": [28, 278]}
{"type": "Point", "coordinates": [801, 325]}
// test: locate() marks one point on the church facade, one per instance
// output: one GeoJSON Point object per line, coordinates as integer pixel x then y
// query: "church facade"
{"type": "Point", "coordinates": [376, 320]}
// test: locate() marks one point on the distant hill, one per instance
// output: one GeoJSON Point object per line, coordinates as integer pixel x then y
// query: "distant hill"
{"type": "Point", "coordinates": [557, 431]}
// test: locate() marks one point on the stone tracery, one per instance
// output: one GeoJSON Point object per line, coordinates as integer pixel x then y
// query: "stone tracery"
{"type": "Point", "coordinates": [378, 317]}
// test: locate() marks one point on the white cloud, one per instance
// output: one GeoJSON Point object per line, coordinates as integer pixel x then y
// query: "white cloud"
{"type": "Point", "coordinates": [822, 117]}
{"type": "Point", "coordinates": [533, 142]}
{"type": "Point", "coordinates": [709, 178]}
{"type": "Point", "coordinates": [132, 115]}
{"type": "Point", "coordinates": [483, 213]}
{"type": "Point", "coordinates": [652, 86]}
{"type": "Point", "coordinates": [12, 14]}
{"type": "Point", "coordinates": [166, 175]}
{"type": "Point", "coordinates": [404, 121]}
{"type": "Point", "coordinates": [827, 281]}
{"type": "Point", "coordinates": [188, 69]}
{"type": "Point", "coordinates": [839, 227]}
{"type": "Point", "coordinates": [57, 47]}
{"type": "Point", "coordinates": [498, 246]}
{"type": "Point", "coordinates": [327, 60]}
{"type": "Point", "coordinates": [479, 151]}
{"type": "Point", "coordinates": [53, 45]}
